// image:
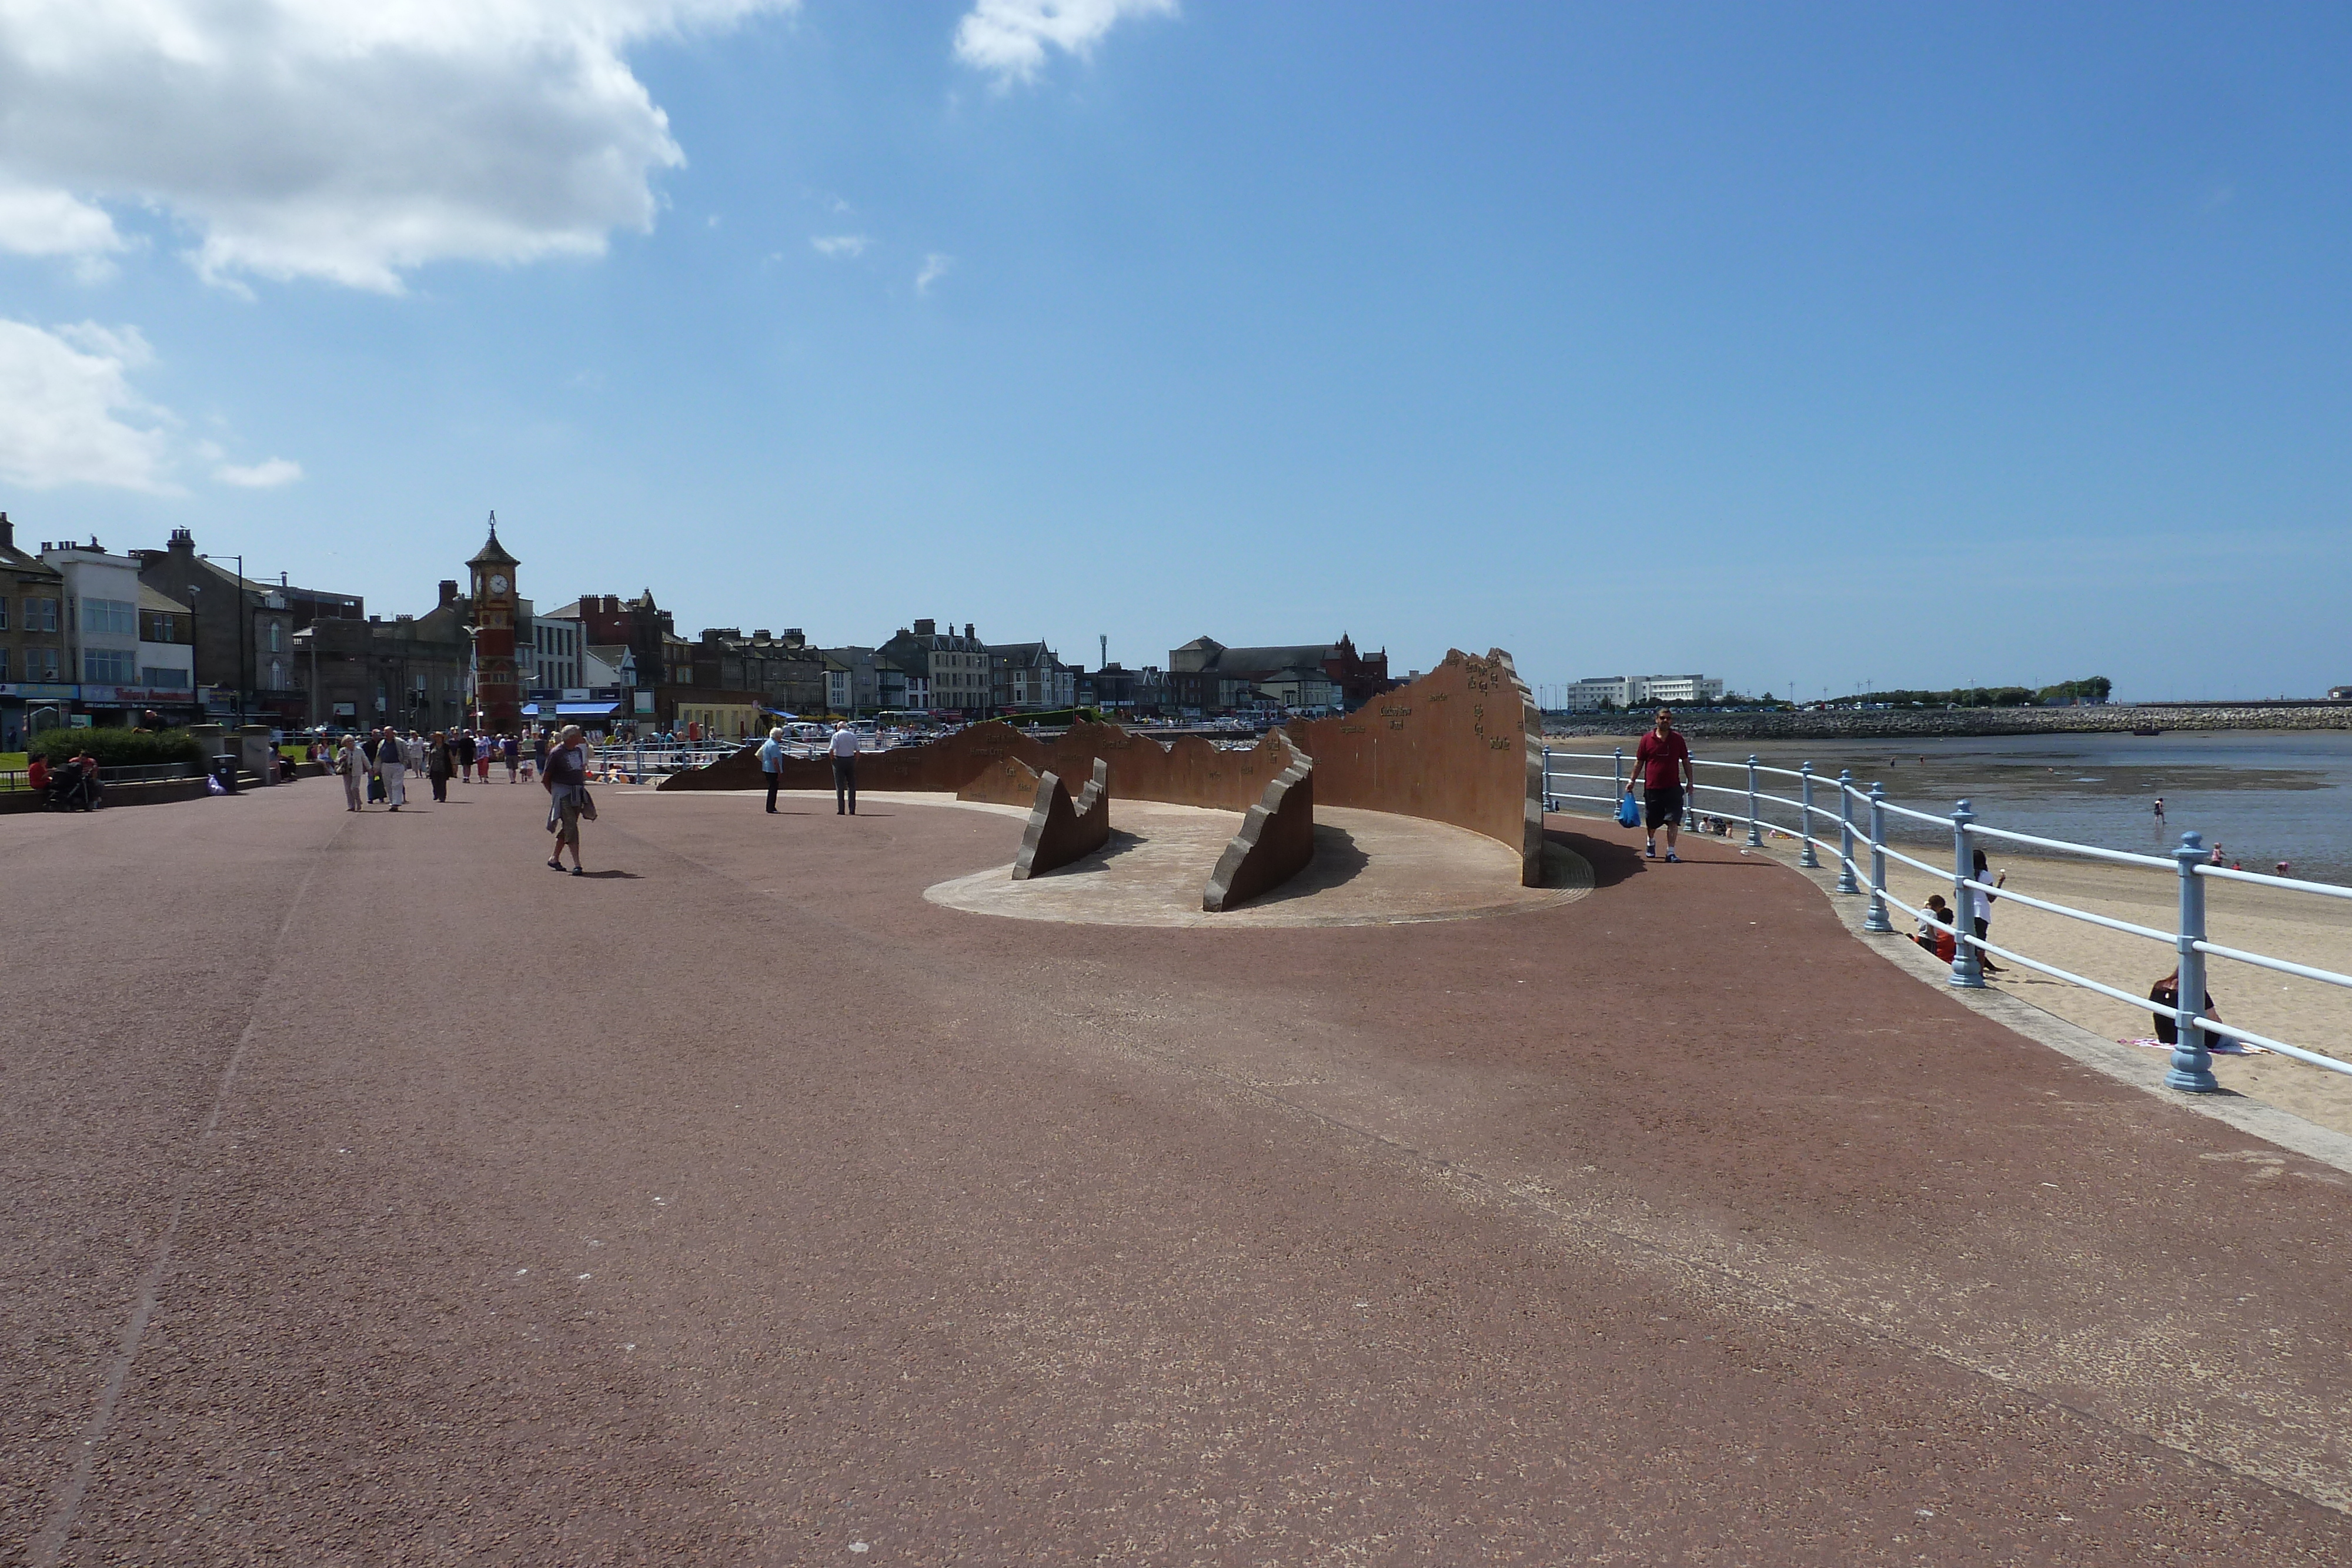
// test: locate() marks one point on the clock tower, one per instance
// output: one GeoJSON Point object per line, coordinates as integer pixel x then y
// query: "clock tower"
{"type": "Point", "coordinates": [497, 694]}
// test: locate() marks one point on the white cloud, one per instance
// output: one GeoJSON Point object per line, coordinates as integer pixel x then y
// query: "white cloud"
{"type": "Point", "coordinates": [127, 345]}
{"type": "Point", "coordinates": [1009, 38]}
{"type": "Point", "coordinates": [264, 475]}
{"type": "Point", "coordinates": [34, 222]}
{"type": "Point", "coordinates": [839, 246]}
{"type": "Point", "coordinates": [69, 416]}
{"type": "Point", "coordinates": [935, 266]}
{"type": "Point", "coordinates": [346, 140]}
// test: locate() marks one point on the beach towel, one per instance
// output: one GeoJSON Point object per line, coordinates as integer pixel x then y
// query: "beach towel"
{"type": "Point", "coordinates": [2218, 1047]}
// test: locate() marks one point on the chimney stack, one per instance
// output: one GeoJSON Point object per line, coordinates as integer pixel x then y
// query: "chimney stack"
{"type": "Point", "coordinates": [927, 628]}
{"type": "Point", "coordinates": [448, 592]}
{"type": "Point", "coordinates": [7, 532]}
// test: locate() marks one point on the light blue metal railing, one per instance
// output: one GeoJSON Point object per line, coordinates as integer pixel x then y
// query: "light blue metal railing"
{"type": "Point", "coordinates": [2192, 1067]}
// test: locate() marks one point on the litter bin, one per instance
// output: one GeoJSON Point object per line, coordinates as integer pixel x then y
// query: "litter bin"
{"type": "Point", "coordinates": [225, 766]}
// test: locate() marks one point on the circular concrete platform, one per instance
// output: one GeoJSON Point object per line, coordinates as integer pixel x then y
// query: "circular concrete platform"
{"type": "Point", "coordinates": [1370, 869]}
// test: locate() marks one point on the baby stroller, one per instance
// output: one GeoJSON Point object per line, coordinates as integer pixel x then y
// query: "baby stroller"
{"type": "Point", "coordinates": [71, 789]}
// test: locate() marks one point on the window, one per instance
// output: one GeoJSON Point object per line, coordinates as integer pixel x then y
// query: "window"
{"type": "Point", "coordinates": [41, 664]}
{"type": "Point", "coordinates": [4, 659]}
{"type": "Point", "coordinates": [40, 614]}
{"type": "Point", "coordinates": [108, 666]}
{"type": "Point", "coordinates": [278, 636]}
{"type": "Point", "coordinates": [4, 612]}
{"type": "Point", "coordinates": [110, 617]}
{"type": "Point", "coordinates": [165, 680]}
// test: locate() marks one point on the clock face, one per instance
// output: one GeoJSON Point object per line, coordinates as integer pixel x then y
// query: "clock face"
{"type": "Point", "coordinates": [497, 582]}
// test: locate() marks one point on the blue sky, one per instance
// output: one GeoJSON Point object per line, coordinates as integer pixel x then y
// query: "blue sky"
{"type": "Point", "coordinates": [1810, 345]}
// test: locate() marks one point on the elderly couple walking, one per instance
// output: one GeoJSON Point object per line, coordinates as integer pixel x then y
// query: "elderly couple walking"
{"type": "Point", "coordinates": [842, 748]}
{"type": "Point", "coordinates": [382, 758]}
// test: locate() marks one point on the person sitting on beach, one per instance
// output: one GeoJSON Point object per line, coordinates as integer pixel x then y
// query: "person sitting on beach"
{"type": "Point", "coordinates": [1936, 928]}
{"type": "Point", "coordinates": [2166, 993]}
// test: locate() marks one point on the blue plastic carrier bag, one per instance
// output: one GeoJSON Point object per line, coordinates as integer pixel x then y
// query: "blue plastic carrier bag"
{"type": "Point", "coordinates": [1629, 815]}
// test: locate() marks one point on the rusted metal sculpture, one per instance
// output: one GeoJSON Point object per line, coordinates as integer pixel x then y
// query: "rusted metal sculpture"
{"type": "Point", "coordinates": [1464, 743]}
{"type": "Point", "coordinates": [1276, 840]}
{"type": "Point", "coordinates": [1062, 829]}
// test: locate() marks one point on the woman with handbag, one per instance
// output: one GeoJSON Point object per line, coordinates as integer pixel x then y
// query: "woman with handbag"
{"type": "Point", "coordinates": [566, 778]}
{"type": "Point", "coordinates": [439, 764]}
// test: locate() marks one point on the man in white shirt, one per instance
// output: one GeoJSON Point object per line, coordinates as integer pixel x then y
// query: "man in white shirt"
{"type": "Point", "coordinates": [844, 747]}
{"type": "Point", "coordinates": [771, 763]}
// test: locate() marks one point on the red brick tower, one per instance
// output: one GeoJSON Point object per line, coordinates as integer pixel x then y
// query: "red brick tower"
{"type": "Point", "coordinates": [497, 694]}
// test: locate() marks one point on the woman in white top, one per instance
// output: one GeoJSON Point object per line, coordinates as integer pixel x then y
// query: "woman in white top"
{"type": "Point", "coordinates": [351, 765]}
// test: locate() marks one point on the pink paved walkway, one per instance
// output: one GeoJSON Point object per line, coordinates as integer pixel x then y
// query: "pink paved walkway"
{"type": "Point", "coordinates": [376, 1196]}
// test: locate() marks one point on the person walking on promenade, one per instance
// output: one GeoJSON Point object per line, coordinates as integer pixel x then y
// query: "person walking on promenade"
{"type": "Point", "coordinates": [465, 755]}
{"type": "Point", "coordinates": [566, 780]}
{"type": "Point", "coordinates": [772, 764]}
{"type": "Point", "coordinates": [482, 758]}
{"type": "Point", "coordinates": [391, 765]}
{"type": "Point", "coordinates": [438, 763]}
{"type": "Point", "coordinates": [350, 762]}
{"type": "Point", "coordinates": [1661, 765]}
{"type": "Point", "coordinates": [511, 750]}
{"type": "Point", "coordinates": [1983, 903]}
{"type": "Point", "coordinates": [844, 749]}
{"type": "Point", "coordinates": [415, 746]}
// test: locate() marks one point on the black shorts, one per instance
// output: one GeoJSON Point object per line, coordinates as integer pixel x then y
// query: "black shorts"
{"type": "Point", "coordinates": [1663, 805]}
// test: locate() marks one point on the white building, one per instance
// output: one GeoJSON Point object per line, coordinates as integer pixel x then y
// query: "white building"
{"type": "Point", "coordinates": [167, 657]}
{"type": "Point", "coordinates": [555, 653]}
{"type": "Point", "coordinates": [1631, 691]}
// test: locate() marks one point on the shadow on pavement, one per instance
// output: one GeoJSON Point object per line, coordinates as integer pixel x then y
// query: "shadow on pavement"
{"type": "Point", "coordinates": [1612, 863]}
{"type": "Point", "coordinates": [1337, 862]}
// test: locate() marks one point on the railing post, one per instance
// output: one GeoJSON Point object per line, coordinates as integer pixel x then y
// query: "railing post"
{"type": "Point", "coordinates": [1549, 804]}
{"type": "Point", "coordinates": [1876, 919]}
{"type": "Point", "coordinates": [2192, 1063]}
{"type": "Point", "coordinates": [1755, 825]}
{"type": "Point", "coordinates": [1846, 883]}
{"type": "Point", "coordinates": [1619, 767]}
{"type": "Point", "coordinates": [1967, 966]}
{"type": "Point", "coordinates": [1805, 855]}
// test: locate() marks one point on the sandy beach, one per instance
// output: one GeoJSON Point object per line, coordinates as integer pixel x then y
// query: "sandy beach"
{"type": "Point", "coordinates": [2304, 929]}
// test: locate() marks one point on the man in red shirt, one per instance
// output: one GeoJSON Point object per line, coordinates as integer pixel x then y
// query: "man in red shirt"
{"type": "Point", "coordinates": [1661, 765]}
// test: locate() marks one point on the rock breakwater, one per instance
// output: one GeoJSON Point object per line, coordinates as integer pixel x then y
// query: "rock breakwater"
{"type": "Point", "coordinates": [1886, 723]}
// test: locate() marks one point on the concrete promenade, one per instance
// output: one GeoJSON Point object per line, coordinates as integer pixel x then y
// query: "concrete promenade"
{"type": "Point", "coordinates": [374, 1195]}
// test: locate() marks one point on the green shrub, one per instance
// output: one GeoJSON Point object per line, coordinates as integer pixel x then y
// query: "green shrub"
{"type": "Point", "coordinates": [119, 748]}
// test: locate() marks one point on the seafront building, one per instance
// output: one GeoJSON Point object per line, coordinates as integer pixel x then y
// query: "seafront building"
{"type": "Point", "coordinates": [116, 673]}
{"type": "Point", "coordinates": [32, 640]}
{"type": "Point", "coordinates": [1205, 675]}
{"type": "Point", "coordinates": [946, 673]}
{"type": "Point", "coordinates": [184, 637]}
{"type": "Point", "coordinates": [1631, 691]}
